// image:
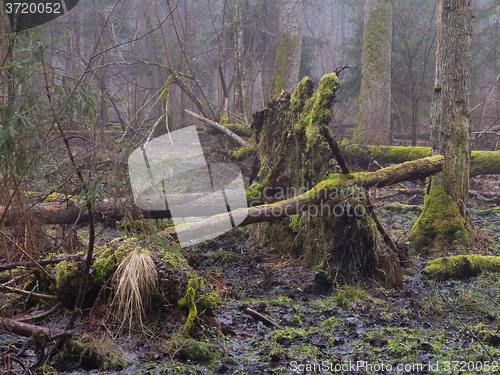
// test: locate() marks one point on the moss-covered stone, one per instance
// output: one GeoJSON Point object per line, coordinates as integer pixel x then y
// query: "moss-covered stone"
{"type": "Point", "coordinates": [462, 266]}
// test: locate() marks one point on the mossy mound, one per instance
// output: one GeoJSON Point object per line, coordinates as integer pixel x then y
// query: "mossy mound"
{"type": "Point", "coordinates": [192, 350]}
{"type": "Point", "coordinates": [461, 266]}
{"type": "Point", "coordinates": [93, 354]}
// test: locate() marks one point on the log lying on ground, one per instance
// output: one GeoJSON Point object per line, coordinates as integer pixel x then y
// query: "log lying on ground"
{"type": "Point", "coordinates": [481, 162]}
{"type": "Point", "coordinates": [462, 266]}
{"type": "Point", "coordinates": [25, 329]}
{"type": "Point", "coordinates": [105, 211]}
{"type": "Point", "coordinates": [112, 211]}
{"type": "Point", "coordinates": [326, 190]}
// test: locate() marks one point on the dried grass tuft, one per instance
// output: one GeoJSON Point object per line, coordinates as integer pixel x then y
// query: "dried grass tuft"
{"type": "Point", "coordinates": [137, 280]}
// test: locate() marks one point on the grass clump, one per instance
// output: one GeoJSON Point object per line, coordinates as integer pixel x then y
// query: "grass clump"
{"type": "Point", "coordinates": [349, 294]}
{"type": "Point", "coordinates": [136, 278]}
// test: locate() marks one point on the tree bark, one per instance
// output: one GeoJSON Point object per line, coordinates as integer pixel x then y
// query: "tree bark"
{"type": "Point", "coordinates": [286, 72]}
{"type": "Point", "coordinates": [373, 121]}
{"type": "Point", "coordinates": [444, 219]}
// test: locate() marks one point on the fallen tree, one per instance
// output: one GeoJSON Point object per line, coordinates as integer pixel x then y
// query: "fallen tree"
{"type": "Point", "coordinates": [481, 162]}
{"type": "Point", "coordinates": [327, 194]}
{"type": "Point", "coordinates": [462, 266]}
{"type": "Point", "coordinates": [71, 212]}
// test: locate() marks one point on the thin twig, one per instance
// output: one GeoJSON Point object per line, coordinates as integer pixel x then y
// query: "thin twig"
{"type": "Point", "coordinates": [27, 293]}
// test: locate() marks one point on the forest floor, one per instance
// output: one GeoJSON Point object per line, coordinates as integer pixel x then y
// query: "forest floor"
{"type": "Point", "coordinates": [426, 327]}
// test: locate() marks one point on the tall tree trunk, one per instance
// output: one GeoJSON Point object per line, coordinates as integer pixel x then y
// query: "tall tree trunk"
{"type": "Point", "coordinates": [269, 41]}
{"type": "Point", "coordinates": [373, 122]}
{"type": "Point", "coordinates": [444, 219]}
{"type": "Point", "coordinates": [286, 72]}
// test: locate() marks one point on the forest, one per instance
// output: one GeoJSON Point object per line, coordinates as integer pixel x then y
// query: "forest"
{"type": "Point", "coordinates": [249, 186]}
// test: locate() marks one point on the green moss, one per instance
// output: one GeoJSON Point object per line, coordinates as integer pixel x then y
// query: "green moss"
{"type": "Point", "coordinates": [462, 266]}
{"type": "Point", "coordinates": [68, 278]}
{"type": "Point", "coordinates": [244, 152]}
{"type": "Point", "coordinates": [210, 300]}
{"type": "Point", "coordinates": [384, 154]}
{"type": "Point", "coordinates": [173, 260]}
{"type": "Point", "coordinates": [193, 350]}
{"type": "Point", "coordinates": [107, 261]}
{"type": "Point", "coordinates": [101, 354]}
{"type": "Point", "coordinates": [188, 301]}
{"type": "Point", "coordinates": [286, 47]}
{"type": "Point", "coordinates": [484, 162]}
{"type": "Point", "coordinates": [295, 223]}
{"type": "Point", "coordinates": [440, 222]}
{"type": "Point", "coordinates": [320, 112]}
{"type": "Point", "coordinates": [300, 96]}
{"type": "Point", "coordinates": [254, 191]}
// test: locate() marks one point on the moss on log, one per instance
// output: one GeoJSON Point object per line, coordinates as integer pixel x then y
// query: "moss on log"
{"type": "Point", "coordinates": [317, 213]}
{"type": "Point", "coordinates": [461, 266]}
{"type": "Point", "coordinates": [481, 162]}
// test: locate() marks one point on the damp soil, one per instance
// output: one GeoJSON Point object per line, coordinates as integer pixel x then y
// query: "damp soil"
{"type": "Point", "coordinates": [427, 327]}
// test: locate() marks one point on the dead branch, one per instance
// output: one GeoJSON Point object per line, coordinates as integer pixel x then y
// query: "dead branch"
{"type": "Point", "coordinates": [325, 132]}
{"type": "Point", "coordinates": [271, 212]}
{"type": "Point", "coordinates": [403, 191]}
{"type": "Point", "coordinates": [219, 127]}
{"type": "Point", "coordinates": [41, 315]}
{"type": "Point", "coordinates": [27, 293]}
{"type": "Point", "coordinates": [267, 322]}
{"type": "Point", "coordinates": [481, 196]}
{"type": "Point", "coordinates": [25, 329]}
{"type": "Point", "coordinates": [11, 266]}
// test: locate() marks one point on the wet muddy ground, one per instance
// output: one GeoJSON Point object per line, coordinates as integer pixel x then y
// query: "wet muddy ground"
{"type": "Point", "coordinates": [427, 327]}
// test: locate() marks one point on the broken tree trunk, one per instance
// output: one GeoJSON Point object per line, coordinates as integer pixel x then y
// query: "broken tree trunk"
{"type": "Point", "coordinates": [296, 157]}
{"type": "Point", "coordinates": [481, 162]}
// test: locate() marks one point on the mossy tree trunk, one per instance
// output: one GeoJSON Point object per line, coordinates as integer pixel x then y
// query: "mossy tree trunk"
{"type": "Point", "coordinates": [444, 219]}
{"type": "Point", "coordinates": [286, 71]}
{"type": "Point", "coordinates": [373, 122]}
